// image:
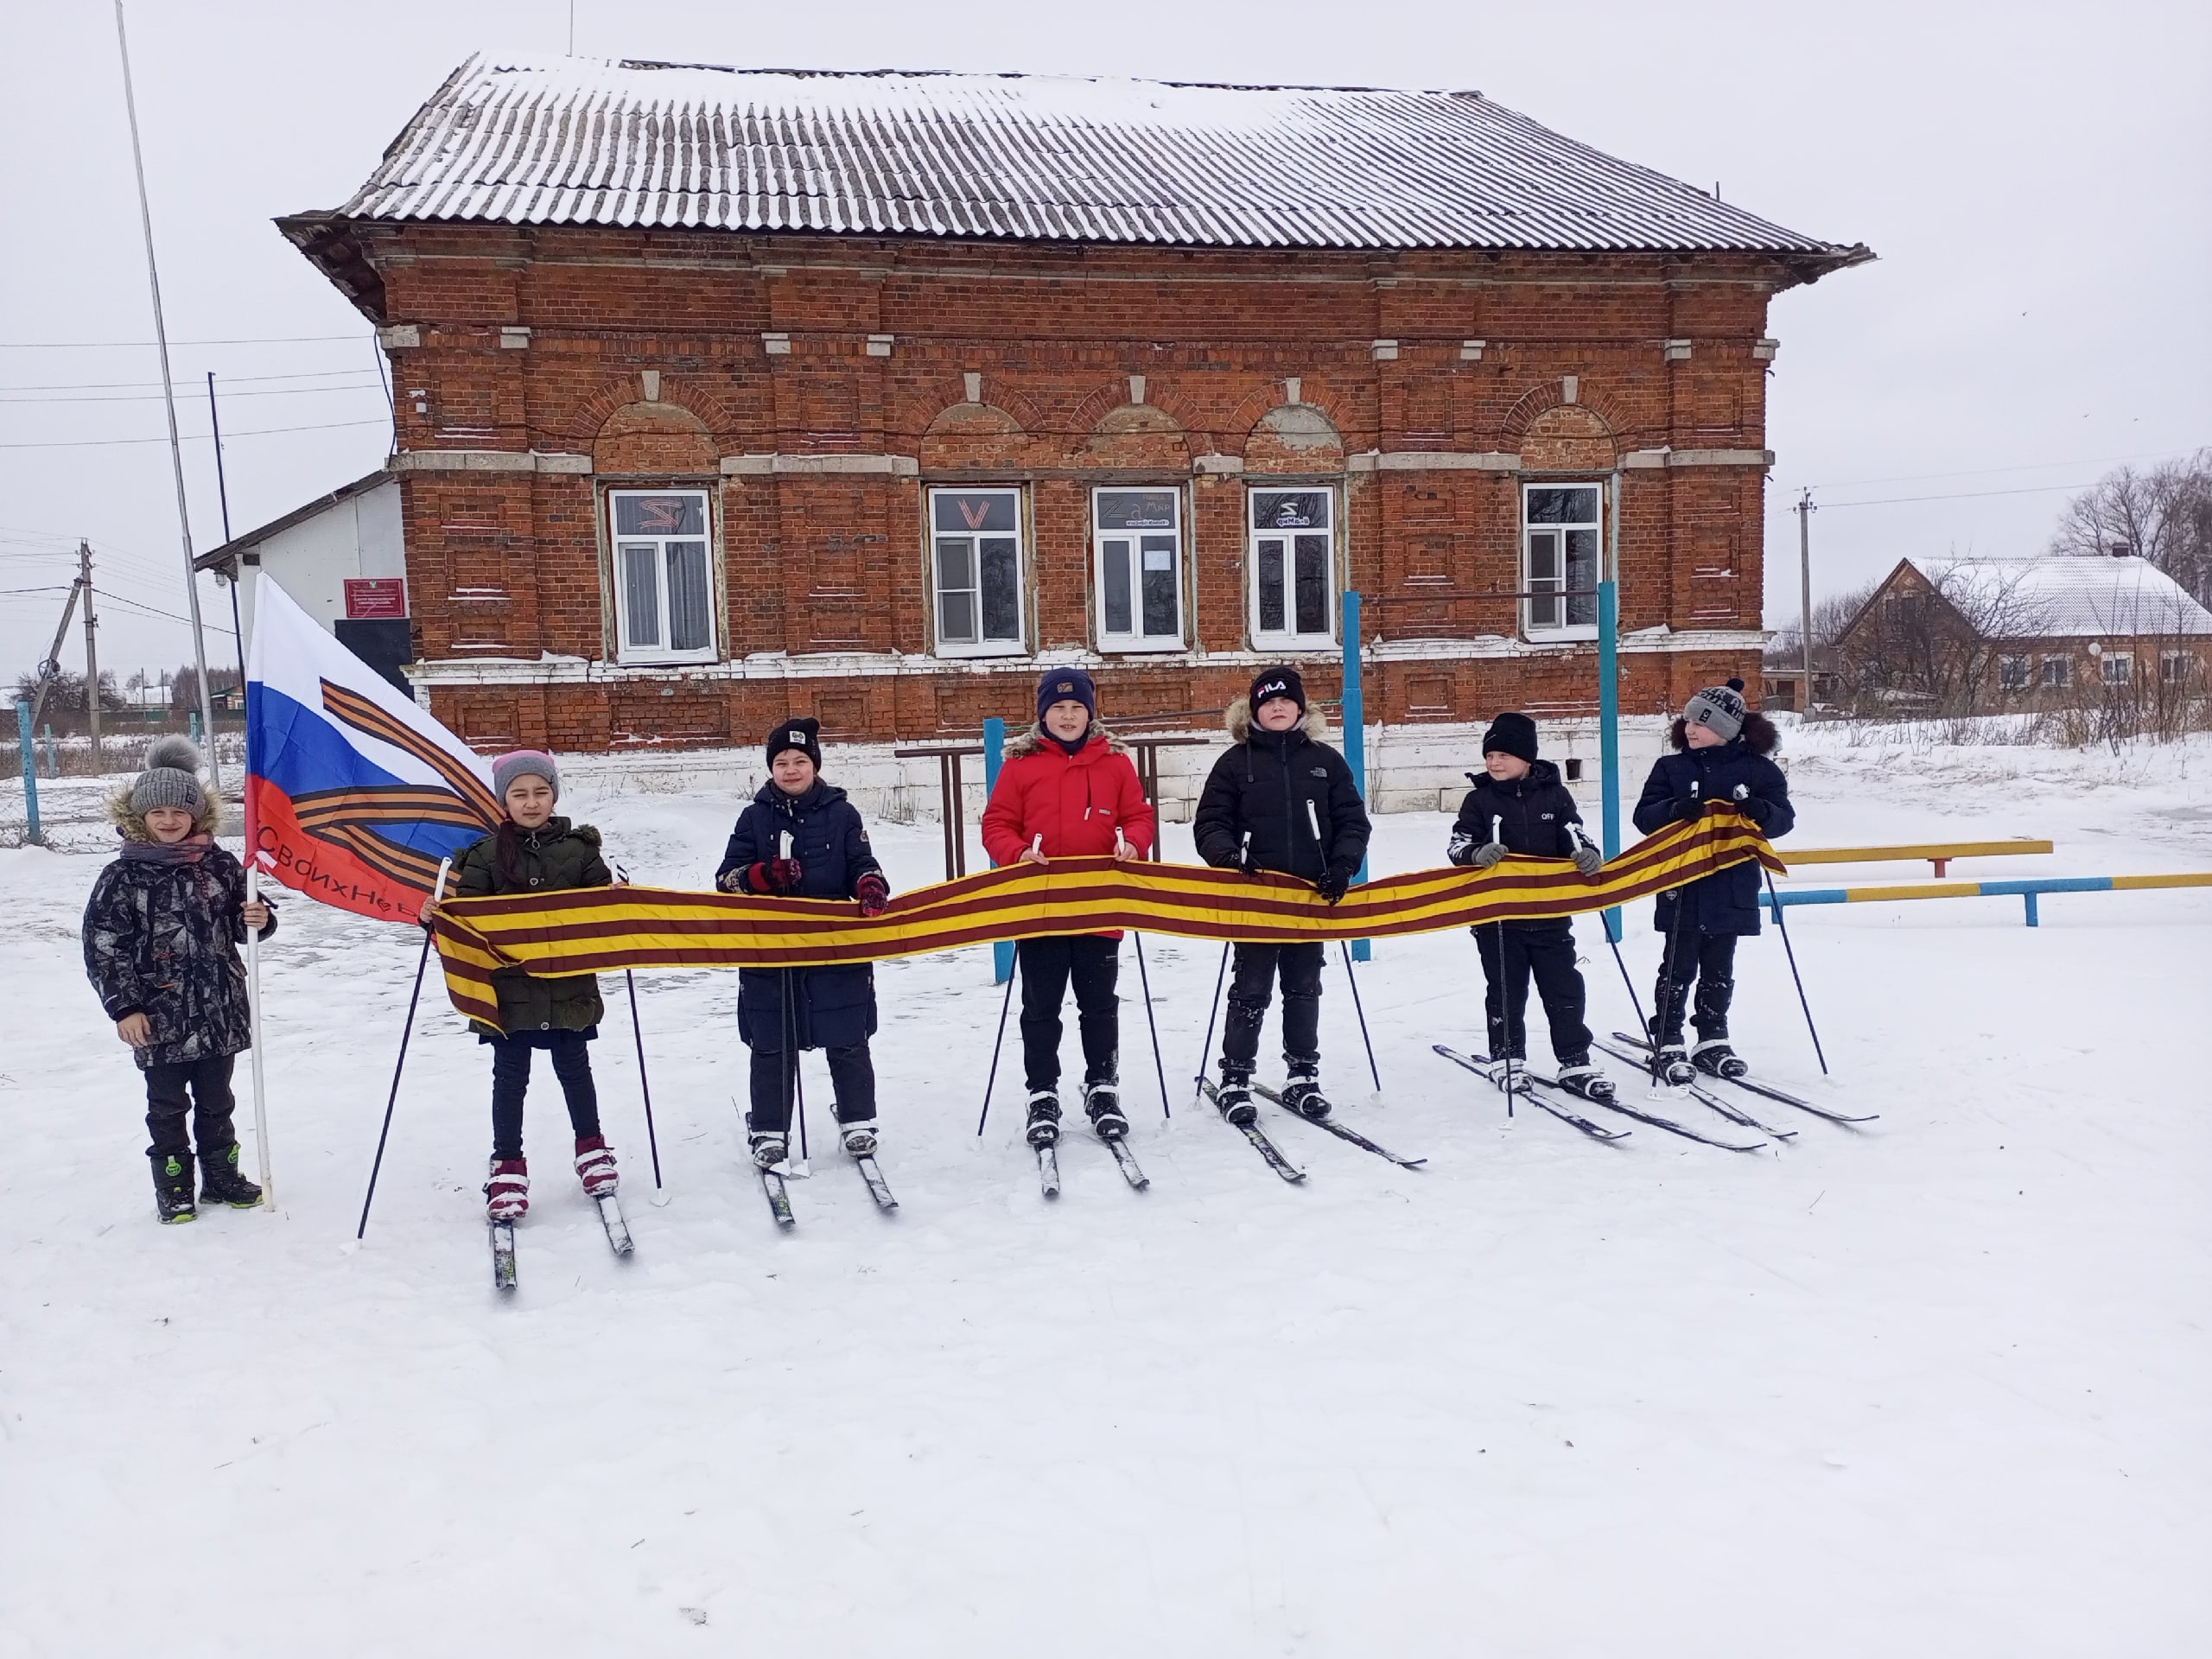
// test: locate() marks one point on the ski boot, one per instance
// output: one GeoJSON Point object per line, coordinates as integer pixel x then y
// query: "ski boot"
{"type": "Point", "coordinates": [596, 1165]}
{"type": "Point", "coordinates": [766, 1147]}
{"type": "Point", "coordinates": [1043, 1129]}
{"type": "Point", "coordinates": [1301, 1093]}
{"type": "Point", "coordinates": [1671, 1065]}
{"type": "Point", "coordinates": [506, 1195]}
{"type": "Point", "coordinates": [1102, 1102]}
{"type": "Point", "coordinates": [1580, 1077]}
{"type": "Point", "coordinates": [1235, 1096]}
{"type": "Point", "coordinates": [172, 1188]}
{"type": "Point", "coordinates": [220, 1182]}
{"type": "Point", "coordinates": [1515, 1081]}
{"type": "Point", "coordinates": [1716, 1059]}
{"type": "Point", "coordinates": [859, 1137]}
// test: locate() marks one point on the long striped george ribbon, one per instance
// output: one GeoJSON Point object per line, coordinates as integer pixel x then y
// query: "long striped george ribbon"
{"type": "Point", "coordinates": [593, 930]}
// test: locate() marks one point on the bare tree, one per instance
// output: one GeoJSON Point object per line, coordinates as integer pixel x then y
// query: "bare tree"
{"type": "Point", "coordinates": [2164, 515]}
{"type": "Point", "coordinates": [1935, 648]}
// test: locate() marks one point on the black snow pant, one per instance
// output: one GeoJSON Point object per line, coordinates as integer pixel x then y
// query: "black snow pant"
{"type": "Point", "coordinates": [511, 1082]}
{"type": "Point", "coordinates": [210, 1105]}
{"type": "Point", "coordinates": [1512, 953]}
{"type": "Point", "coordinates": [1258, 966]}
{"type": "Point", "coordinates": [1093, 962]}
{"type": "Point", "coordinates": [1709, 961]}
{"type": "Point", "coordinates": [775, 1084]}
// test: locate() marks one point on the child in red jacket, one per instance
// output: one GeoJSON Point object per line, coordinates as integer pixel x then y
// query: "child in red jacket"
{"type": "Point", "coordinates": [1068, 791]}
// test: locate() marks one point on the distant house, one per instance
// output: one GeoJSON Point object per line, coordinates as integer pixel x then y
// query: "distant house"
{"type": "Point", "coordinates": [1977, 632]}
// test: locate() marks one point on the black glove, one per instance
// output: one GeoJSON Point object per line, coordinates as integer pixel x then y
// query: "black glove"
{"type": "Point", "coordinates": [1757, 811]}
{"type": "Point", "coordinates": [1336, 881]}
{"type": "Point", "coordinates": [1247, 863]}
{"type": "Point", "coordinates": [1689, 808]}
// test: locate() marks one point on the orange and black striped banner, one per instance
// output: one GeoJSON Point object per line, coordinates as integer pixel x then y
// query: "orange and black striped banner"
{"type": "Point", "coordinates": [595, 930]}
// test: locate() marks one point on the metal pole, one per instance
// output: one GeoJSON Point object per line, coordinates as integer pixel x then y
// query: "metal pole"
{"type": "Point", "coordinates": [399, 1066]}
{"type": "Point", "coordinates": [223, 495]}
{"type": "Point", "coordinates": [31, 832]}
{"type": "Point", "coordinates": [1158, 1065]}
{"type": "Point", "coordinates": [1782, 927]}
{"type": "Point", "coordinates": [645, 1088]}
{"type": "Point", "coordinates": [991, 1081]}
{"type": "Point", "coordinates": [253, 1027]}
{"type": "Point", "coordinates": [92, 654]}
{"type": "Point", "coordinates": [1355, 712]}
{"type": "Point", "coordinates": [1362, 1013]}
{"type": "Point", "coordinates": [169, 403]}
{"type": "Point", "coordinates": [1805, 595]}
{"type": "Point", "coordinates": [993, 758]}
{"type": "Point", "coordinates": [1609, 696]}
{"type": "Point", "coordinates": [1213, 1013]}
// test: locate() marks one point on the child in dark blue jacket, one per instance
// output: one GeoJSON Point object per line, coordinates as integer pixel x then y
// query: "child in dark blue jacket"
{"type": "Point", "coordinates": [1720, 760]}
{"type": "Point", "coordinates": [801, 838]}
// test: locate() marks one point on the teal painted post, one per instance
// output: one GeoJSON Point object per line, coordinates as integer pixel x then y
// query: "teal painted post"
{"type": "Point", "coordinates": [994, 754]}
{"type": "Point", "coordinates": [1355, 706]}
{"type": "Point", "coordinates": [1609, 698]}
{"type": "Point", "coordinates": [31, 831]}
{"type": "Point", "coordinates": [196, 726]}
{"type": "Point", "coordinates": [2033, 920]}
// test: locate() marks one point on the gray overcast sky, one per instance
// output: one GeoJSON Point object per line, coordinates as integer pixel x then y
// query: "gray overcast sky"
{"type": "Point", "coordinates": [2033, 176]}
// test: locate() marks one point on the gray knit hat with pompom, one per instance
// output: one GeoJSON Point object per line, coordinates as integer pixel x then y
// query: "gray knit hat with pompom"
{"type": "Point", "coordinates": [171, 778]}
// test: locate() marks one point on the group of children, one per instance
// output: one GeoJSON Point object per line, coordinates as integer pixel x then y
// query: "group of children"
{"type": "Point", "coordinates": [164, 920]}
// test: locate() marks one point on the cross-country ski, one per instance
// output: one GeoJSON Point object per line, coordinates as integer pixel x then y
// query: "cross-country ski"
{"type": "Point", "coordinates": [1126, 1161]}
{"type": "Point", "coordinates": [1704, 1097]}
{"type": "Point", "coordinates": [1350, 1135]}
{"type": "Point", "coordinates": [877, 1188]}
{"type": "Point", "coordinates": [617, 1228]}
{"type": "Point", "coordinates": [503, 1254]}
{"type": "Point", "coordinates": [1269, 1153]}
{"type": "Point", "coordinates": [1484, 1068]}
{"type": "Point", "coordinates": [1759, 1086]}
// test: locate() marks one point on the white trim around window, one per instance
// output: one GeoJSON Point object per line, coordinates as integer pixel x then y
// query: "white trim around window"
{"type": "Point", "coordinates": [1137, 560]}
{"type": "Point", "coordinates": [976, 565]}
{"type": "Point", "coordinates": [2118, 667]}
{"type": "Point", "coordinates": [1562, 560]}
{"type": "Point", "coordinates": [662, 547]}
{"type": "Point", "coordinates": [1290, 556]}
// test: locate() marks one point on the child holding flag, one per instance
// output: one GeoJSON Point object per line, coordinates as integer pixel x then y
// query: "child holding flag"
{"type": "Point", "coordinates": [801, 838]}
{"type": "Point", "coordinates": [1067, 789]}
{"type": "Point", "coordinates": [160, 934]}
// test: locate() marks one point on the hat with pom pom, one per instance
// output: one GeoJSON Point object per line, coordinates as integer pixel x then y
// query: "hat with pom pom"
{"type": "Point", "coordinates": [1721, 708]}
{"type": "Point", "coordinates": [171, 778]}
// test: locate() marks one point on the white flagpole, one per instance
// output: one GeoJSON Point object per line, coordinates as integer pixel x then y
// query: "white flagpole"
{"type": "Point", "coordinates": [253, 1026]}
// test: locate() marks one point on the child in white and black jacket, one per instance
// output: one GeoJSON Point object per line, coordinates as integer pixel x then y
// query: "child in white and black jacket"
{"type": "Point", "coordinates": [1518, 805]}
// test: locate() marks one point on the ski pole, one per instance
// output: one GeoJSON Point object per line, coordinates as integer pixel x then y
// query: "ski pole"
{"type": "Point", "coordinates": [794, 1088]}
{"type": "Point", "coordinates": [1504, 993]}
{"type": "Point", "coordinates": [1669, 990]}
{"type": "Point", "coordinates": [997, 1045]}
{"type": "Point", "coordinates": [1345, 949]}
{"type": "Point", "coordinates": [1145, 980]}
{"type": "Point", "coordinates": [406, 1031]}
{"type": "Point", "coordinates": [645, 1087]}
{"type": "Point", "coordinates": [1580, 838]}
{"type": "Point", "coordinates": [1213, 1013]}
{"type": "Point", "coordinates": [1783, 927]}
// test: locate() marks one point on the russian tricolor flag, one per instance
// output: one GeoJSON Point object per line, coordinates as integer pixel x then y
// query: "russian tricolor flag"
{"type": "Point", "coordinates": [354, 794]}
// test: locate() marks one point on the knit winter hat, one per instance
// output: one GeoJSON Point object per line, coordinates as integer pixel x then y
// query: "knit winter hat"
{"type": "Point", "coordinates": [1511, 734]}
{"type": "Point", "coordinates": [171, 778]}
{"type": "Point", "coordinates": [525, 763]}
{"type": "Point", "coordinates": [1273, 683]}
{"type": "Point", "coordinates": [803, 734]}
{"type": "Point", "coordinates": [1721, 708]}
{"type": "Point", "coordinates": [1063, 684]}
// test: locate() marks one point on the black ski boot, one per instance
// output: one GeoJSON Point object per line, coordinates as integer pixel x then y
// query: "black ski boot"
{"type": "Point", "coordinates": [220, 1182]}
{"type": "Point", "coordinates": [1043, 1117]}
{"type": "Point", "coordinates": [1578, 1076]}
{"type": "Point", "coordinates": [1235, 1096]}
{"type": "Point", "coordinates": [173, 1187]}
{"type": "Point", "coordinates": [1103, 1102]}
{"type": "Point", "coordinates": [1716, 1059]}
{"type": "Point", "coordinates": [1671, 1065]}
{"type": "Point", "coordinates": [768, 1147]}
{"type": "Point", "coordinates": [1301, 1093]}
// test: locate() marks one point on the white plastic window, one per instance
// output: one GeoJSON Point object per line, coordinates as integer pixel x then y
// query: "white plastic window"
{"type": "Point", "coordinates": [1292, 556]}
{"type": "Point", "coordinates": [1560, 560]}
{"type": "Point", "coordinates": [2120, 668]}
{"type": "Point", "coordinates": [1138, 541]}
{"type": "Point", "coordinates": [663, 578]}
{"type": "Point", "coordinates": [2013, 673]}
{"type": "Point", "coordinates": [975, 553]}
{"type": "Point", "coordinates": [2057, 672]}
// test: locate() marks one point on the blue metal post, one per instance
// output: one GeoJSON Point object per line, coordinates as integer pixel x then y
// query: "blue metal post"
{"type": "Point", "coordinates": [2033, 920]}
{"type": "Point", "coordinates": [31, 832]}
{"type": "Point", "coordinates": [1609, 698]}
{"type": "Point", "coordinates": [1354, 708]}
{"type": "Point", "coordinates": [994, 755]}
{"type": "Point", "coordinates": [196, 726]}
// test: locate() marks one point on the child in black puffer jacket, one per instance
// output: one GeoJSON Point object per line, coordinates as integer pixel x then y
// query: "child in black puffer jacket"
{"type": "Point", "coordinates": [1720, 760]}
{"type": "Point", "coordinates": [1521, 806]}
{"type": "Point", "coordinates": [162, 931]}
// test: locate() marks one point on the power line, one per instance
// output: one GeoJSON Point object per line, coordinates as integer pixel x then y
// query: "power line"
{"type": "Point", "coordinates": [146, 385]}
{"type": "Point", "coordinates": [123, 344]}
{"type": "Point", "coordinates": [1984, 472]}
{"type": "Point", "coordinates": [8, 400]}
{"type": "Point", "coordinates": [191, 437]}
{"type": "Point", "coordinates": [1964, 495]}
{"type": "Point", "coordinates": [117, 599]}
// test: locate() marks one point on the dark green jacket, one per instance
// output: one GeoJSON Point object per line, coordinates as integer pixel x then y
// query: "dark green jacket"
{"type": "Point", "coordinates": [547, 858]}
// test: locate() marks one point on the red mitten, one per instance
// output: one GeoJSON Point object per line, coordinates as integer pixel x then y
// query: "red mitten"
{"type": "Point", "coordinates": [874, 893]}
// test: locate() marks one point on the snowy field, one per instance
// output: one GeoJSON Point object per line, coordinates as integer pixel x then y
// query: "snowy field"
{"type": "Point", "coordinates": [1933, 1388]}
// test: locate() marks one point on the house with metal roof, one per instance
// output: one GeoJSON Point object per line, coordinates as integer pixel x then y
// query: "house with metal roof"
{"type": "Point", "coordinates": [727, 394]}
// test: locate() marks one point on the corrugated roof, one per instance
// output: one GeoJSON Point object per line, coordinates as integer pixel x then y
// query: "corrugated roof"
{"type": "Point", "coordinates": [1046, 158]}
{"type": "Point", "coordinates": [2068, 596]}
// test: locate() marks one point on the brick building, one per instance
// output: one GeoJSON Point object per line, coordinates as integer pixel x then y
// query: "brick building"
{"type": "Point", "coordinates": [723, 395]}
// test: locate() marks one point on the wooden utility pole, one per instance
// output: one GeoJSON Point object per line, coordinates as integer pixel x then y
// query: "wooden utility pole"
{"type": "Point", "coordinates": [1805, 511]}
{"type": "Point", "coordinates": [92, 652]}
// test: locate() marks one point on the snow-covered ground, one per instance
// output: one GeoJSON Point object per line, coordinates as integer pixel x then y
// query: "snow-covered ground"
{"type": "Point", "coordinates": [1933, 1388]}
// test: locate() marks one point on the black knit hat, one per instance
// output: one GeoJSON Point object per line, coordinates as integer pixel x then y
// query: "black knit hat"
{"type": "Point", "coordinates": [803, 734]}
{"type": "Point", "coordinates": [1511, 734]}
{"type": "Point", "coordinates": [1271, 683]}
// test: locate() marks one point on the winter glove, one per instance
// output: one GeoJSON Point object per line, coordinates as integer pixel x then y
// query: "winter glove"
{"type": "Point", "coordinates": [776, 875]}
{"type": "Point", "coordinates": [1489, 854]}
{"type": "Point", "coordinates": [1588, 861]}
{"type": "Point", "coordinates": [1335, 880]}
{"type": "Point", "coordinates": [1757, 811]}
{"type": "Point", "coordinates": [1689, 808]}
{"type": "Point", "coordinates": [874, 893]}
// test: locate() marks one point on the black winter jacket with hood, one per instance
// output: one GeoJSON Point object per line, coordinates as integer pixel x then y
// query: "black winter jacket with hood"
{"type": "Point", "coordinates": [554, 856]}
{"type": "Point", "coordinates": [1726, 901]}
{"type": "Point", "coordinates": [1535, 810]}
{"type": "Point", "coordinates": [1281, 788]}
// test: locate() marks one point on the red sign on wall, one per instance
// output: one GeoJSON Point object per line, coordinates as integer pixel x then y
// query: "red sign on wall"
{"type": "Point", "coordinates": [373, 598]}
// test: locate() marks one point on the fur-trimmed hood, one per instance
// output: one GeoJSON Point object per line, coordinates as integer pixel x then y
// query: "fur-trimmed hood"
{"type": "Point", "coordinates": [1236, 721]}
{"type": "Point", "coordinates": [1035, 739]}
{"type": "Point", "coordinates": [132, 824]}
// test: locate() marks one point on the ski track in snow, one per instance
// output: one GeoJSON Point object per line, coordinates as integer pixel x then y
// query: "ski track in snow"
{"type": "Point", "coordinates": [1936, 1387]}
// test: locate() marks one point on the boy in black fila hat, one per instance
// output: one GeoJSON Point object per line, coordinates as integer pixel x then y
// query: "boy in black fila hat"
{"type": "Point", "coordinates": [1280, 799]}
{"type": "Point", "coordinates": [1518, 805]}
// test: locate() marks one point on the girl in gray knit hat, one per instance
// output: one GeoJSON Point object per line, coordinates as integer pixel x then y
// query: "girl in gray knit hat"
{"type": "Point", "coordinates": [161, 933]}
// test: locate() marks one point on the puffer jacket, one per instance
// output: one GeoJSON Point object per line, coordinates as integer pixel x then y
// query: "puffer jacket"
{"type": "Point", "coordinates": [1075, 801]}
{"type": "Point", "coordinates": [1727, 901]}
{"type": "Point", "coordinates": [160, 938]}
{"type": "Point", "coordinates": [1534, 811]}
{"type": "Point", "coordinates": [552, 858]}
{"type": "Point", "coordinates": [830, 1008]}
{"type": "Point", "coordinates": [1291, 792]}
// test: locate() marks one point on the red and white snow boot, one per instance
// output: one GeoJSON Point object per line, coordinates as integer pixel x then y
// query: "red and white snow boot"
{"type": "Point", "coordinates": [506, 1195]}
{"type": "Point", "coordinates": [596, 1165]}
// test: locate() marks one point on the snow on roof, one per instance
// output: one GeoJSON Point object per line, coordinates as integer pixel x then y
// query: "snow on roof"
{"type": "Point", "coordinates": [1053, 158]}
{"type": "Point", "coordinates": [2075, 596]}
